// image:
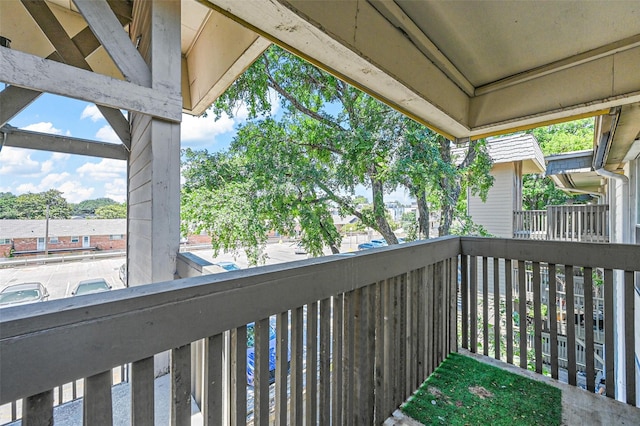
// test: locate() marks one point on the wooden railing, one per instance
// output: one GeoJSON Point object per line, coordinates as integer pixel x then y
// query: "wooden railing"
{"type": "Point", "coordinates": [510, 326]}
{"type": "Point", "coordinates": [588, 223]}
{"type": "Point", "coordinates": [355, 336]}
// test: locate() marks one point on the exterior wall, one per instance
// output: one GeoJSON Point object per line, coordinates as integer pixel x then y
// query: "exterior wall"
{"type": "Point", "coordinates": [99, 242]}
{"type": "Point", "coordinates": [5, 250]}
{"type": "Point", "coordinates": [496, 214]}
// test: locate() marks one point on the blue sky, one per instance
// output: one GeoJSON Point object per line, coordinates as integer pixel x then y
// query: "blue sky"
{"type": "Point", "coordinates": [82, 178]}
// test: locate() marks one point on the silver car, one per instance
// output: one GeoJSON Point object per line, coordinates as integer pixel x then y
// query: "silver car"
{"type": "Point", "coordinates": [19, 294]}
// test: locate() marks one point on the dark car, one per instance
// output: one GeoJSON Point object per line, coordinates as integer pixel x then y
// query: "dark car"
{"type": "Point", "coordinates": [94, 285]}
{"type": "Point", "coordinates": [20, 294]}
{"type": "Point", "coordinates": [272, 352]}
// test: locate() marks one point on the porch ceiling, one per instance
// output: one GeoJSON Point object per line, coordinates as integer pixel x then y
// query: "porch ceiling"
{"type": "Point", "coordinates": [465, 68]}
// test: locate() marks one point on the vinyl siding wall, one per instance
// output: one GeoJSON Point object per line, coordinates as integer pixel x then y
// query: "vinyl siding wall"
{"type": "Point", "coordinates": [496, 214]}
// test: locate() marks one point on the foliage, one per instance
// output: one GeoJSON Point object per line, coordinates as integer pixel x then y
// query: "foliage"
{"type": "Point", "coordinates": [8, 206]}
{"type": "Point", "coordinates": [112, 211]}
{"type": "Point", "coordinates": [89, 207]}
{"type": "Point", "coordinates": [34, 206]}
{"type": "Point", "coordinates": [297, 167]}
{"type": "Point", "coordinates": [539, 192]}
{"type": "Point", "coordinates": [463, 391]}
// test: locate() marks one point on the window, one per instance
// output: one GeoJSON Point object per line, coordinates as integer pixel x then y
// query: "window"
{"type": "Point", "coordinates": [5, 240]}
{"type": "Point", "coordinates": [116, 237]}
{"type": "Point", "coordinates": [53, 240]}
{"type": "Point", "coordinates": [75, 239]}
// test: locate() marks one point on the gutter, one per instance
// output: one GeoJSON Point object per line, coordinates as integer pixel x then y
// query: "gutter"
{"type": "Point", "coordinates": [599, 161]}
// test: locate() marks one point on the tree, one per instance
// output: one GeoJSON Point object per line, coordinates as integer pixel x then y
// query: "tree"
{"type": "Point", "coordinates": [297, 167]}
{"type": "Point", "coordinates": [112, 211]}
{"type": "Point", "coordinates": [89, 207]}
{"type": "Point", "coordinates": [34, 206]}
{"type": "Point", "coordinates": [8, 208]}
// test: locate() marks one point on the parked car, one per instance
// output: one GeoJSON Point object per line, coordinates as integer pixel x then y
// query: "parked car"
{"type": "Point", "coordinates": [300, 249]}
{"type": "Point", "coordinates": [272, 352]}
{"type": "Point", "coordinates": [122, 273]}
{"type": "Point", "coordinates": [94, 285]}
{"type": "Point", "coordinates": [379, 243]}
{"type": "Point", "coordinates": [365, 246]}
{"type": "Point", "coordinates": [227, 266]}
{"type": "Point", "coordinates": [20, 294]}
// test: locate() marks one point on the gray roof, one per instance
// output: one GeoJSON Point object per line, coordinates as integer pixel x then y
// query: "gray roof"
{"type": "Point", "coordinates": [570, 162]}
{"type": "Point", "coordinates": [520, 147]}
{"type": "Point", "coordinates": [13, 228]}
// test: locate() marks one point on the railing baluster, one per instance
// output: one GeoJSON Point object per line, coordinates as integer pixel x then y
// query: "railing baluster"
{"type": "Point", "coordinates": [588, 328]}
{"type": "Point", "coordinates": [464, 295]}
{"type": "Point", "coordinates": [212, 402]}
{"type": "Point", "coordinates": [485, 306]}
{"type": "Point", "coordinates": [324, 383]}
{"type": "Point", "coordinates": [295, 416]}
{"type": "Point", "coordinates": [37, 410]}
{"type": "Point", "coordinates": [261, 373]}
{"type": "Point", "coordinates": [142, 392]}
{"type": "Point", "coordinates": [238, 407]}
{"type": "Point", "coordinates": [402, 336]}
{"type": "Point", "coordinates": [571, 324]}
{"type": "Point", "coordinates": [180, 385]}
{"type": "Point", "coordinates": [380, 354]}
{"type": "Point", "coordinates": [522, 313]}
{"type": "Point", "coordinates": [553, 321]}
{"type": "Point", "coordinates": [387, 306]}
{"type": "Point", "coordinates": [412, 332]}
{"type": "Point", "coordinates": [609, 349]}
{"type": "Point", "coordinates": [508, 288]}
{"type": "Point", "coordinates": [348, 356]}
{"type": "Point", "coordinates": [629, 332]}
{"type": "Point", "coordinates": [496, 307]}
{"type": "Point", "coordinates": [282, 367]}
{"type": "Point", "coordinates": [452, 323]}
{"type": "Point", "coordinates": [311, 387]}
{"type": "Point", "coordinates": [97, 399]}
{"type": "Point", "coordinates": [337, 371]}
{"type": "Point", "coordinates": [537, 315]}
{"type": "Point", "coordinates": [473, 302]}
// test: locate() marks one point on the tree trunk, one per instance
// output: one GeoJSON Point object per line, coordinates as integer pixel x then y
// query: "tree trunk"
{"type": "Point", "coordinates": [379, 212]}
{"type": "Point", "coordinates": [423, 215]}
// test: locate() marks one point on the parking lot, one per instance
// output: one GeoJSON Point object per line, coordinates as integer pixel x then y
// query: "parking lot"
{"type": "Point", "coordinates": [60, 277]}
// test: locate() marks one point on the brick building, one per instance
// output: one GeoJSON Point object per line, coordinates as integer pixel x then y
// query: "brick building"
{"type": "Point", "coordinates": [27, 237]}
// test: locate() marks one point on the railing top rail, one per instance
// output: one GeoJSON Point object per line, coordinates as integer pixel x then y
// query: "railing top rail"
{"type": "Point", "coordinates": [603, 255]}
{"type": "Point", "coordinates": [90, 334]}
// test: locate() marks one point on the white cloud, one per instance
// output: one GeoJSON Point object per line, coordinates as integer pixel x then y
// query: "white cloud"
{"type": "Point", "coordinates": [44, 127]}
{"type": "Point", "coordinates": [202, 128]}
{"type": "Point", "coordinates": [92, 112]}
{"type": "Point", "coordinates": [74, 192]}
{"type": "Point", "coordinates": [106, 134]}
{"type": "Point", "coordinates": [116, 190]}
{"type": "Point", "coordinates": [18, 162]}
{"type": "Point", "coordinates": [106, 170]}
{"type": "Point", "coordinates": [51, 180]}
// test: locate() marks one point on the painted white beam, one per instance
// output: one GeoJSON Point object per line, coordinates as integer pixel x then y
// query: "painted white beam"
{"type": "Point", "coordinates": [56, 143]}
{"type": "Point", "coordinates": [36, 73]}
{"type": "Point", "coordinates": [114, 39]}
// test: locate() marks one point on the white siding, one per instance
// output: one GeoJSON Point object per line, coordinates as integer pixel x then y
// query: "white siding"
{"type": "Point", "coordinates": [496, 214]}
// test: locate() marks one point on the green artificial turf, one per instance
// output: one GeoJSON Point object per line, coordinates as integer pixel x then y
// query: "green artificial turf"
{"type": "Point", "coordinates": [463, 391]}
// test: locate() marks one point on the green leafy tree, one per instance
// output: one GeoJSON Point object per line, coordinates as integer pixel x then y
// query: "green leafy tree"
{"type": "Point", "coordinates": [538, 191]}
{"type": "Point", "coordinates": [293, 170]}
{"type": "Point", "coordinates": [8, 209]}
{"type": "Point", "coordinates": [89, 207]}
{"type": "Point", "coordinates": [112, 211]}
{"type": "Point", "coordinates": [34, 206]}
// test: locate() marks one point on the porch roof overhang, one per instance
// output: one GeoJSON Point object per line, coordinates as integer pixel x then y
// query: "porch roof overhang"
{"type": "Point", "coordinates": [466, 69]}
{"type": "Point", "coordinates": [573, 172]}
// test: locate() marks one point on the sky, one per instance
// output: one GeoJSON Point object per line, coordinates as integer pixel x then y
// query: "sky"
{"type": "Point", "coordinates": [82, 178]}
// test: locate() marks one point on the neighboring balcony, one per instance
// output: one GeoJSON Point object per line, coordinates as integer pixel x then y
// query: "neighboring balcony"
{"type": "Point", "coordinates": [355, 335]}
{"type": "Point", "coordinates": [577, 222]}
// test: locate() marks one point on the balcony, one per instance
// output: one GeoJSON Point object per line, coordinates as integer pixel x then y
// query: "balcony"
{"type": "Point", "coordinates": [355, 335]}
{"type": "Point", "coordinates": [588, 223]}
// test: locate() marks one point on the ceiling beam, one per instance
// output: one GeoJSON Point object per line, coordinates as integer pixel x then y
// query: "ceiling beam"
{"type": "Point", "coordinates": [33, 72]}
{"type": "Point", "coordinates": [114, 39]}
{"type": "Point", "coordinates": [47, 142]}
{"type": "Point", "coordinates": [14, 99]}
